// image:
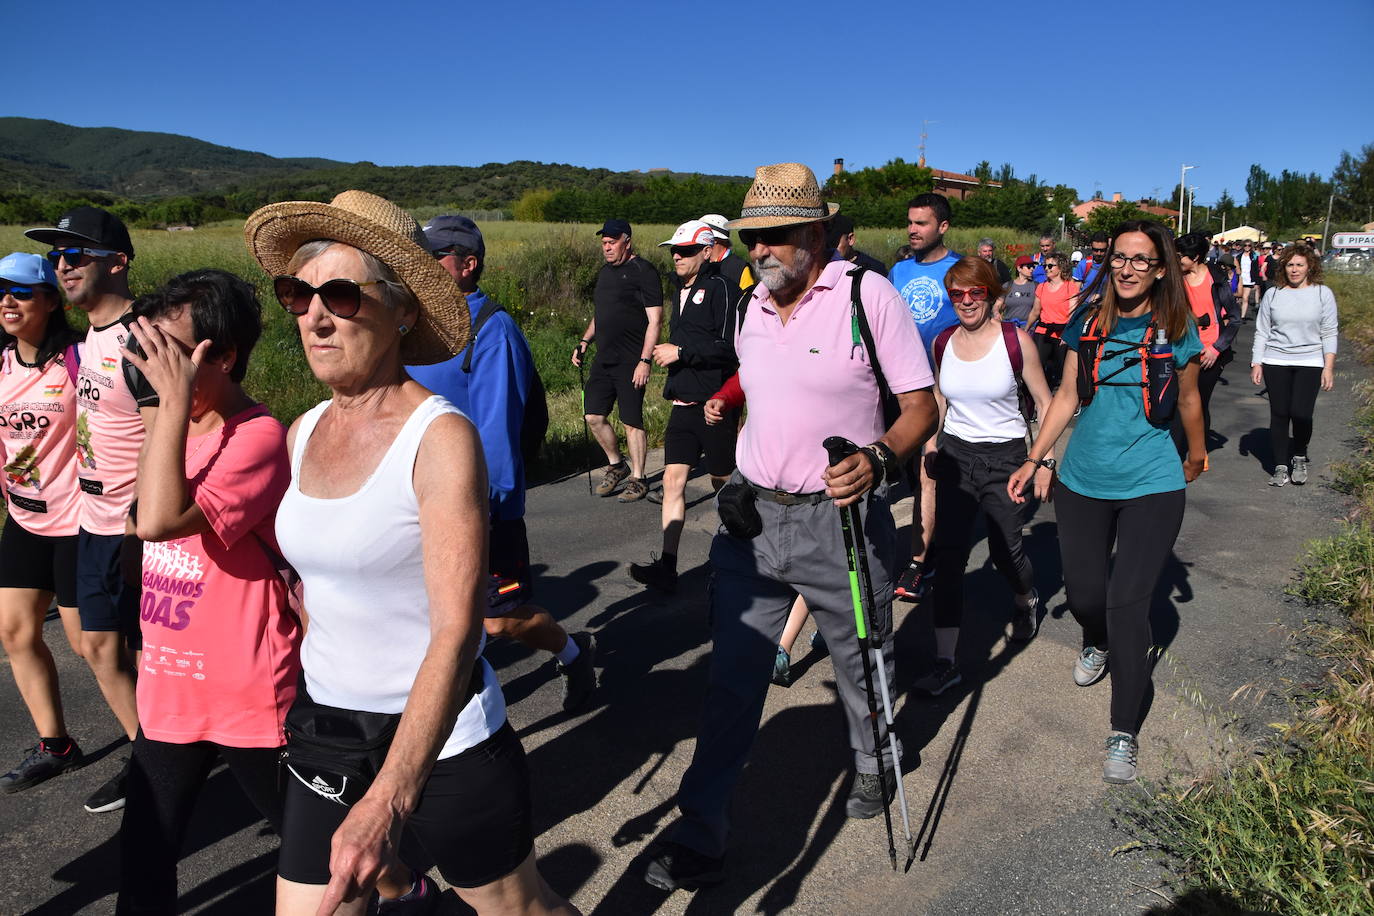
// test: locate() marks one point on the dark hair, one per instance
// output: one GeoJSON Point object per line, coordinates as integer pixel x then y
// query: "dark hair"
{"type": "Point", "coordinates": [57, 334]}
{"type": "Point", "coordinates": [1300, 250]}
{"type": "Point", "coordinates": [839, 225]}
{"type": "Point", "coordinates": [1168, 298]}
{"type": "Point", "coordinates": [224, 310]}
{"type": "Point", "coordinates": [937, 203]}
{"type": "Point", "coordinates": [1193, 245]}
{"type": "Point", "coordinates": [1098, 236]}
{"type": "Point", "coordinates": [970, 271]}
{"type": "Point", "coordinates": [460, 252]}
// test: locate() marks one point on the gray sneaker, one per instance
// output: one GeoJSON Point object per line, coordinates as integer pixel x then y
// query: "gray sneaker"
{"type": "Point", "coordinates": [1025, 620]}
{"type": "Point", "coordinates": [1299, 473]}
{"type": "Point", "coordinates": [1091, 666]}
{"type": "Point", "coordinates": [944, 676]}
{"type": "Point", "coordinates": [579, 678]}
{"type": "Point", "coordinates": [1122, 750]}
{"type": "Point", "coordinates": [1280, 476]}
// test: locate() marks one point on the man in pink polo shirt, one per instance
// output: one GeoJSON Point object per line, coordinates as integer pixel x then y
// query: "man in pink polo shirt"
{"type": "Point", "coordinates": [806, 375]}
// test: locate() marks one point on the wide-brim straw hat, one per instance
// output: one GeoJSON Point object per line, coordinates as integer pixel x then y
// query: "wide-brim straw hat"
{"type": "Point", "coordinates": [388, 233]}
{"type": "Point", "coordinates": [782, 195]}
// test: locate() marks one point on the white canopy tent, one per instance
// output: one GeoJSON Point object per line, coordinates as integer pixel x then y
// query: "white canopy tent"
{"type": "Point", "coordinates": [1240, 233]}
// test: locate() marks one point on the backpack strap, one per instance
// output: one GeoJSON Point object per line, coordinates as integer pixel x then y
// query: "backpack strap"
{"type": "Point", "coordinates": [491, 308]}
{"type": "Point", "coordinates": [72, 357]}
{"type": "Point", "coordinates": [859, 321]}
{"type": "Point", "coordinates": [937, 349]}
{"type": "Point", "coordinates": [1013, 344]}
{"type": "Point", "coordinates": [741, 306]}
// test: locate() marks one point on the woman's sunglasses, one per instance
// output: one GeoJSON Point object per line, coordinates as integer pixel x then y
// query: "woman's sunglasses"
{"type": "Point", "coordinates": [342, 297]}
{"type": "Point", "coordinates": [972, 294]}
{"type": "Point", "coordinates": [22, 293]}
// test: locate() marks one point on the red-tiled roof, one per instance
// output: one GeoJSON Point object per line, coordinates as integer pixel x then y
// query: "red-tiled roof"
{"type": "Point", "coordinates": [942, 175]}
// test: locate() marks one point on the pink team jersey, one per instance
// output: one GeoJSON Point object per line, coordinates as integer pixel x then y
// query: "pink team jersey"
{"type": "Point", "coordinates": [109, 432]}
{"type": "Point", "coordinates": [220, 647]}
{"type": "Point", "coordinates": [38, 444]}
{"type": "Point", "coordinates": [808, 380]}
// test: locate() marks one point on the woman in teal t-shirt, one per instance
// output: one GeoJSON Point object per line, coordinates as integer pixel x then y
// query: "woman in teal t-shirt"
{"type": "Point", "coordinates": [1121, 479]}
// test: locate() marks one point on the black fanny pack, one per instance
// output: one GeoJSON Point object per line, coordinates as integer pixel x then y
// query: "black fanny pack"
{"type": "Point", "coordinates": [736, 503]}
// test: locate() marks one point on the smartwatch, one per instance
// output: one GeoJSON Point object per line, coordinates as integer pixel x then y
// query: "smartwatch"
{"type": "Point", "coordinates": [646, 361]}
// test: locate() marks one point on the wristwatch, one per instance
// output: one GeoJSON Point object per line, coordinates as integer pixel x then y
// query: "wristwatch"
{"type": "Point", "coordinates": [1047, 463]}
{"type": "Point", "coordinates": [646, 361]}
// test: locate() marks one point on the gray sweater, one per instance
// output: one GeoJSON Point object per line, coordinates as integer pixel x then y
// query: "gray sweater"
{"type": "Point", "coordinates": [1295, 327]}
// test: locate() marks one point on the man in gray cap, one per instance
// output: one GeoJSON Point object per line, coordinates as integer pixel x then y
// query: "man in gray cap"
{"type": "Point", "coordinates": [493, 381]}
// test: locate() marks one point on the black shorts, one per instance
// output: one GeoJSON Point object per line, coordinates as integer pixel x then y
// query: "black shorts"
{"type": "Point", "coordinates": [106, 602]}
{"type": "Point", "coordinates": [689, 436]}
{"type": "Point", "coordinates": [29, 560]}
{"type": "Point", "coordinates": [508, 555]}
{"type": "Point", "coordinates": [473, 818]}
{"type": "Point", "coordinates": [611, 385]}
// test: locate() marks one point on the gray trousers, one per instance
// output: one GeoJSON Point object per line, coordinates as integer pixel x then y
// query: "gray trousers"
{"type": "Point", "coordinates": [801, 551]}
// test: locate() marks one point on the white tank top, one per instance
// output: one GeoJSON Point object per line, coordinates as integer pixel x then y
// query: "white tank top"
{"type": "Point", "coordinates": [981, 395]}
{"type": "Point", "coordinates": [362, 570]}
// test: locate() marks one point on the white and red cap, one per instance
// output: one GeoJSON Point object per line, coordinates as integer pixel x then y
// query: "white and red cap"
{"type": "Point", "coordinates": [692, 232]}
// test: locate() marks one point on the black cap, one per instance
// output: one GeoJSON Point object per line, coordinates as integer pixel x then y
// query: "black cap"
{"type": "Point", "coordinates": [91, 224]}
{"type": "Point", "coordinates": [615, 227]}
{"type": "Point", "coordinates": [450, 230]}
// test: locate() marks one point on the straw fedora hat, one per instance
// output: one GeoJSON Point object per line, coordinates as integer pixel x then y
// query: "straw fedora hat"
{"type": "Point", "coordinates": [782, 195]}
{"type": "Point", "coordinates": [390, 234]}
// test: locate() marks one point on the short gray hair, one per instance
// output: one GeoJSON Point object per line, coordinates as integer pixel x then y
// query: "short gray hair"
{"type": "Point", "coordinates": [988, 242]}
{"type": "Point", "coordinates": [394, 293]}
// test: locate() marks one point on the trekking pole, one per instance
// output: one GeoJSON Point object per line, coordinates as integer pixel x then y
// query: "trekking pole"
{"type": "Point", "coordinates": [861, 593]}
{"type": "Point", "coordinates": [586, 432]}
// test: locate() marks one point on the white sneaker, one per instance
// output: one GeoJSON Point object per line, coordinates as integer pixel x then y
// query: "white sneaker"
{"type": "Point", "coordinates": [1280, 476]}
{"type": "Point", "coordinates": [1091, 666]}
{"type": "Point", "coordinates": [1299, 473]}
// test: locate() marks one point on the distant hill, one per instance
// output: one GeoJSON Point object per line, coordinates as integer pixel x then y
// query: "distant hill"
{"type": "Point", "coordinates": [46, 158]}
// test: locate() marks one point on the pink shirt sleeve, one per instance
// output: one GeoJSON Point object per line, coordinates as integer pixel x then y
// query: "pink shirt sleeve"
{"type": "Point", "coordinates": [901, 352]}
{"type": "Point", "coordinates": [241, 484]}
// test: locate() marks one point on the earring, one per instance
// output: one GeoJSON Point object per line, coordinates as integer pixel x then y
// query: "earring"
{"type": "Point", "coordinates": [404, 330]}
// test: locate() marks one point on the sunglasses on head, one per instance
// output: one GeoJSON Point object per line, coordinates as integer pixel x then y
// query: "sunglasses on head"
{"type": "Point", "coordinates": [686, 251]}
{"type": "Point", "coordinates": [342, 297]}
{"type": "Point", "coordinates": [972, 294]}
{"type": "Point", "coordinates": [22, 293]}
{"type": "Point", "coordinates": [74, 255]}
{"type": "Point", "coordinates": [778, 235]}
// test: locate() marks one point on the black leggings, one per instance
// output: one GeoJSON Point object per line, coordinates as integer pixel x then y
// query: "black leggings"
{"type": "Point", "coordinates": [1051, 351]}
{"type": "Point", "coordinates": [1292, 399]}
{"type": "Point", "coordinates": [971, 478]}
{"type": "Point", "coordinates": [1111, 601]}
{"type": "Point", "coordinates": [164, 782]}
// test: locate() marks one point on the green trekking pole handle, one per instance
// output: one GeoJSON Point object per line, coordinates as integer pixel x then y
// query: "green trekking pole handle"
{"type": "Point", "coordinates": [838, 449]}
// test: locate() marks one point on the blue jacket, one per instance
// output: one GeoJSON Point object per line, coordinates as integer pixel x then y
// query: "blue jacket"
{"type": "Point", "coordinates": [493, 396]}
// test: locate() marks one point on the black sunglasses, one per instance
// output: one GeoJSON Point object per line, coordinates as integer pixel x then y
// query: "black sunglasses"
{"type": "Point", "coordinates": [22, 293]}
{"type": "Point", "coordinates": [686, 251]}
{"type": "Point", "coordinates": [1099, 251]}
{"type": "Point", "coordinates": [778, 235]}
{"type": "Point", "coordinates": [342, 297]}
{"type": "Point", "coordinates": [74, 255]}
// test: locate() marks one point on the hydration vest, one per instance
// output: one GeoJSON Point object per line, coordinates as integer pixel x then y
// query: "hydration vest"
{"type": "Point", "coordinates": [1158, 382]}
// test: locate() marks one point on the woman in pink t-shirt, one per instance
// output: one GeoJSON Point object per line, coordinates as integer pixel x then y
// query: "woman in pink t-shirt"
{"type": "Point", "coordinates": [220, 646]}
{"type": "Point", "coordinates": [38, 542]}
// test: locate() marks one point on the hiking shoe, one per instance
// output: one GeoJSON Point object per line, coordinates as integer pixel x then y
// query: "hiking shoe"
{"type": "Point", "coordinates": [110, 796]}
{"type": "Point", "coordinates": [1280, 476]}
{"type": "Point", "coordinates": [676, 866]}
{"type": "Point", "coordinates": [944, 676]}
{"type": "Point", "coordinates": [39, 765]}
{"type": "Point", "coordinates": [579, 678]}
{"type": "Point", "coordinates": [1091, 666]}
{"type": "Point", "coordinates": [818, 642]}
{"type": "Point", "coordinates": [865, 798]}
{"type": "Point", "coordinates": [636, 488]}
{"type": "Point", "coordinates": [782, 668]}
{"type": "Point", "coordinates": [1122, 750]}
{"type": "Point", "coordinates": [655, 573]}
{"type": "Point", "coordinates": [611, 478]}
{"type": "Point", "coordinates": [913, 583]}
{"type": "Point", "coordinates": [420, 900]}
{"type": "Point", "coordinates": [1025, 619]}
{"type": "Point", "coordinates": [1299, 473]}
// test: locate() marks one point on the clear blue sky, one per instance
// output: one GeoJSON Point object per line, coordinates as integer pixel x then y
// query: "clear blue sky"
{"type": "Point", "coordinates": [1102, 96]}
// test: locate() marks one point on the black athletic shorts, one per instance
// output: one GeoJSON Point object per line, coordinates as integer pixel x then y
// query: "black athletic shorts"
{"type": "Point", "coordinates": [473, 818]}
{"type": "Point", "coordinates": [611, 385]}
{"type": "Point", "coordinates": [689, 436]}
{"type": "Point", "coordinates": [29, 560]}
{"type": "Point", "coordinates": [105, 601]}
{"type": "Point", "coordinates": [508, 555]}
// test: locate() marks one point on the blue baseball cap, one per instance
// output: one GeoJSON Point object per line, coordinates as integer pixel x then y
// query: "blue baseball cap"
{"type": "Point", "coordinates": [27, 269]}
{"type": "Point", "coordinates": [615, 228]}
{"type": "Point", "coordinates": [450, 230]}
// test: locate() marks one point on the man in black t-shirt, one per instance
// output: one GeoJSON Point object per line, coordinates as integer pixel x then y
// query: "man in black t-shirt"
{"type": "Point", "coordinates": [628, 313]}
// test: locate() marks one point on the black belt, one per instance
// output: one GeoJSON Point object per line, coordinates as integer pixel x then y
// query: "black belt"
{"type": "Point", "coordinates": [784, 498]}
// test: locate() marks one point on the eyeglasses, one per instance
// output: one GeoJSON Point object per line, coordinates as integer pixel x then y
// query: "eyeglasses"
{"type": "Point", "coordinates": [972, 294]}
{"type": "Point", "coordinates": [1137, 261]}
{"type": "Point", "coordinates": [74, 255]}
{"type": "Point", "coordinates": [22, 293]}
{"type": "Point", "coordinates": [342, 297]}
{"type": "Point", "coordinates": [686, 251]}
{"type": "Point", "coordinates": [778, 235]}
{"type": "Point", "coordinates": [1051, 265]}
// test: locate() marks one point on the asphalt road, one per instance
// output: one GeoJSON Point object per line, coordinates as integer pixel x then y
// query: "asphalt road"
{"type": "Point", "coordinates": [1002, 774]}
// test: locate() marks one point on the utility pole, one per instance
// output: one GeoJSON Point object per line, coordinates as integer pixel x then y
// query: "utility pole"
{"type": "Point", "coordinates": [1182, 189]}
{"type": "Point", "coordinates": [1327, 228]}
{"type": "Point", "coordinates": [1192, 196]}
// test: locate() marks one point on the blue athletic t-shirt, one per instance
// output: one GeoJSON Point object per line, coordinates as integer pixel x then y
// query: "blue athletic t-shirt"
{"type": "Point", "coordinates": [1115, 453]}
{"type": "Point", "coordinates": [922, 287]}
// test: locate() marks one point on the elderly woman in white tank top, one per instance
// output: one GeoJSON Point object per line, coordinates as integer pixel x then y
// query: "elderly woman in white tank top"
{"type": "Point", "coordinates": [400, 725]}
{"type": "Point", "coordinates": [982, 440]}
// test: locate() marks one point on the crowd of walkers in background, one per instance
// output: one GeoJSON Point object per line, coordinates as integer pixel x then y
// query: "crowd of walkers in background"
{"type": "Point", "coordinates": [176, 525]}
